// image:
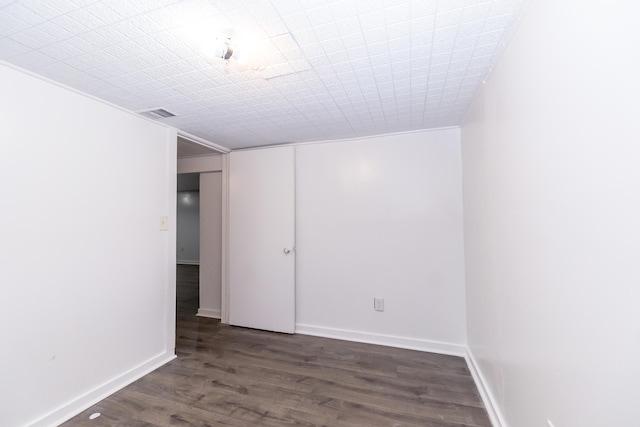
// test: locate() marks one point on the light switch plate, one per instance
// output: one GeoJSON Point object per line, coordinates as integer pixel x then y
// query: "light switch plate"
{"type": "Point", "coordinates": [164, 223]}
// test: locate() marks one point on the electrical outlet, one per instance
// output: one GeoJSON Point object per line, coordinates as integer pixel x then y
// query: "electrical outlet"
{"type": "Point", "coordinates": [378, 304]}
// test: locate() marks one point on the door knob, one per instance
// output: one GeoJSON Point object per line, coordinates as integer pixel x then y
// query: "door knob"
{"type": "Point", "coordinates": [287, 250]}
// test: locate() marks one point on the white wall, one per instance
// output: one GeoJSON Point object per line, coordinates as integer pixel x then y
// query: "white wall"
{"type": "Point", "coordinates": [197, 164]}
{"type": "Point", "coordinates": [188, 227]}
{"type": "Point", "coordinates": [188, 181]}
{"type": "Point", "coordinates": [552, 206]}
{"type": "Point", "coordinates": [210, 244]}
{"type": "Point", "coordinates": [88, 280]}
{"type": "Point", "coordinates": [382, 217]}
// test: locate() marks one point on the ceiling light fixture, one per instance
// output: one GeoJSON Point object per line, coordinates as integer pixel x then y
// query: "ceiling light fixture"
{"type": "Point", "coordinates": [227, 46]}
{"type": "Point", "coordinates": [220, 47]}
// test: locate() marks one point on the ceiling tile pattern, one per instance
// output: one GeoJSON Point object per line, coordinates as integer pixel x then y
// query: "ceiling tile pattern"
{"type": "Point", "coordinates": [321, 69]}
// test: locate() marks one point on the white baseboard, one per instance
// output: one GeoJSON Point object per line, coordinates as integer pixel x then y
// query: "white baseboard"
{"type": "Point", "coordinates": [85, 401]}
{"type": "Point", "coordinates": [485, 392]}
{"type": "Point", "coordinates": [386, 340]}
{"type": "Point", "coordinates": [187, 262]}
{"type": "Point", "coordinates": [208, 312]}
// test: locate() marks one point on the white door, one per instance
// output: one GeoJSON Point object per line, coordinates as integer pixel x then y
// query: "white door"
{"type": "Point", "coordinates": [261, 239]}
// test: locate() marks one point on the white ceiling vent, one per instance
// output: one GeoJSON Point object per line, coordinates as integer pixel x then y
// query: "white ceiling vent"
{"type": "Point", "coordinates": [156, 113]}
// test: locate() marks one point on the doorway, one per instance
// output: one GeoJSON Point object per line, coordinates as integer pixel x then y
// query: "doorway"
{"type": "Point", "coordinates": [188, 243]}
{"type": "Point", "coordinates": [210, 245]}
{"type": "Point", "coordinates": [199, 234]}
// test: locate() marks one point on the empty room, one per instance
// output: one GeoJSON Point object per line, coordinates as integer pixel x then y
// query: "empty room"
{"type": "Point", "coordinates": [399, 213]}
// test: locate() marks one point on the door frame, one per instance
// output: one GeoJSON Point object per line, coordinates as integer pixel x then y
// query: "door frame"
{"type": "Point", "coordinates": [204, 164]}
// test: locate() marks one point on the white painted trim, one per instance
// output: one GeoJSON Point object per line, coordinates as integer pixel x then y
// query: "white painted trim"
{"type": "Point", "coordinates": [170, 240]}
{"type": "Point", "coordinates": [224, 304]}
{"type": "Point", "coordinates": [182, 134]}
{"type": "Point", "coordinates": [200, 164]}
{"type": "Point", "coordinates": [378, 135]}
{"type": "Point", "coordinates": [357, 138]}
{"type": "Point", "coordinates": [380, 339]}
{"type": "Point", "coordinates": [497, 420]}
{"type": "Point", "coordinates": [187, 262]}
{"type": "Point", "coordinates": [208, 312]}
{"type": "Point", "coordinates": [201, 141]}
{"type": "Point", "coordinates": [79, 92]}
{"type": "Point", "coordinates": [85, 401]}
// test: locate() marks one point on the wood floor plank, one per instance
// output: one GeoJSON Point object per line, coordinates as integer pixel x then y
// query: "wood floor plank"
{"type": "Point", "coordinates": [230, 376]}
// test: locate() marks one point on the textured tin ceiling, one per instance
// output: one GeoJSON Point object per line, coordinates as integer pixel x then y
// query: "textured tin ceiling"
{"type": "Point", "coordinates": [320, 69]}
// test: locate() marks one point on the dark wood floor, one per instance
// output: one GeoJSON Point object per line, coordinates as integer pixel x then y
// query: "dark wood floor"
{"type": "Point", "coordinates": [232, 376]}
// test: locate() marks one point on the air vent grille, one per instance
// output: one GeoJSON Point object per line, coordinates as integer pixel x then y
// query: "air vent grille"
{"type": "Point", "coordinates": [157, 113]}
